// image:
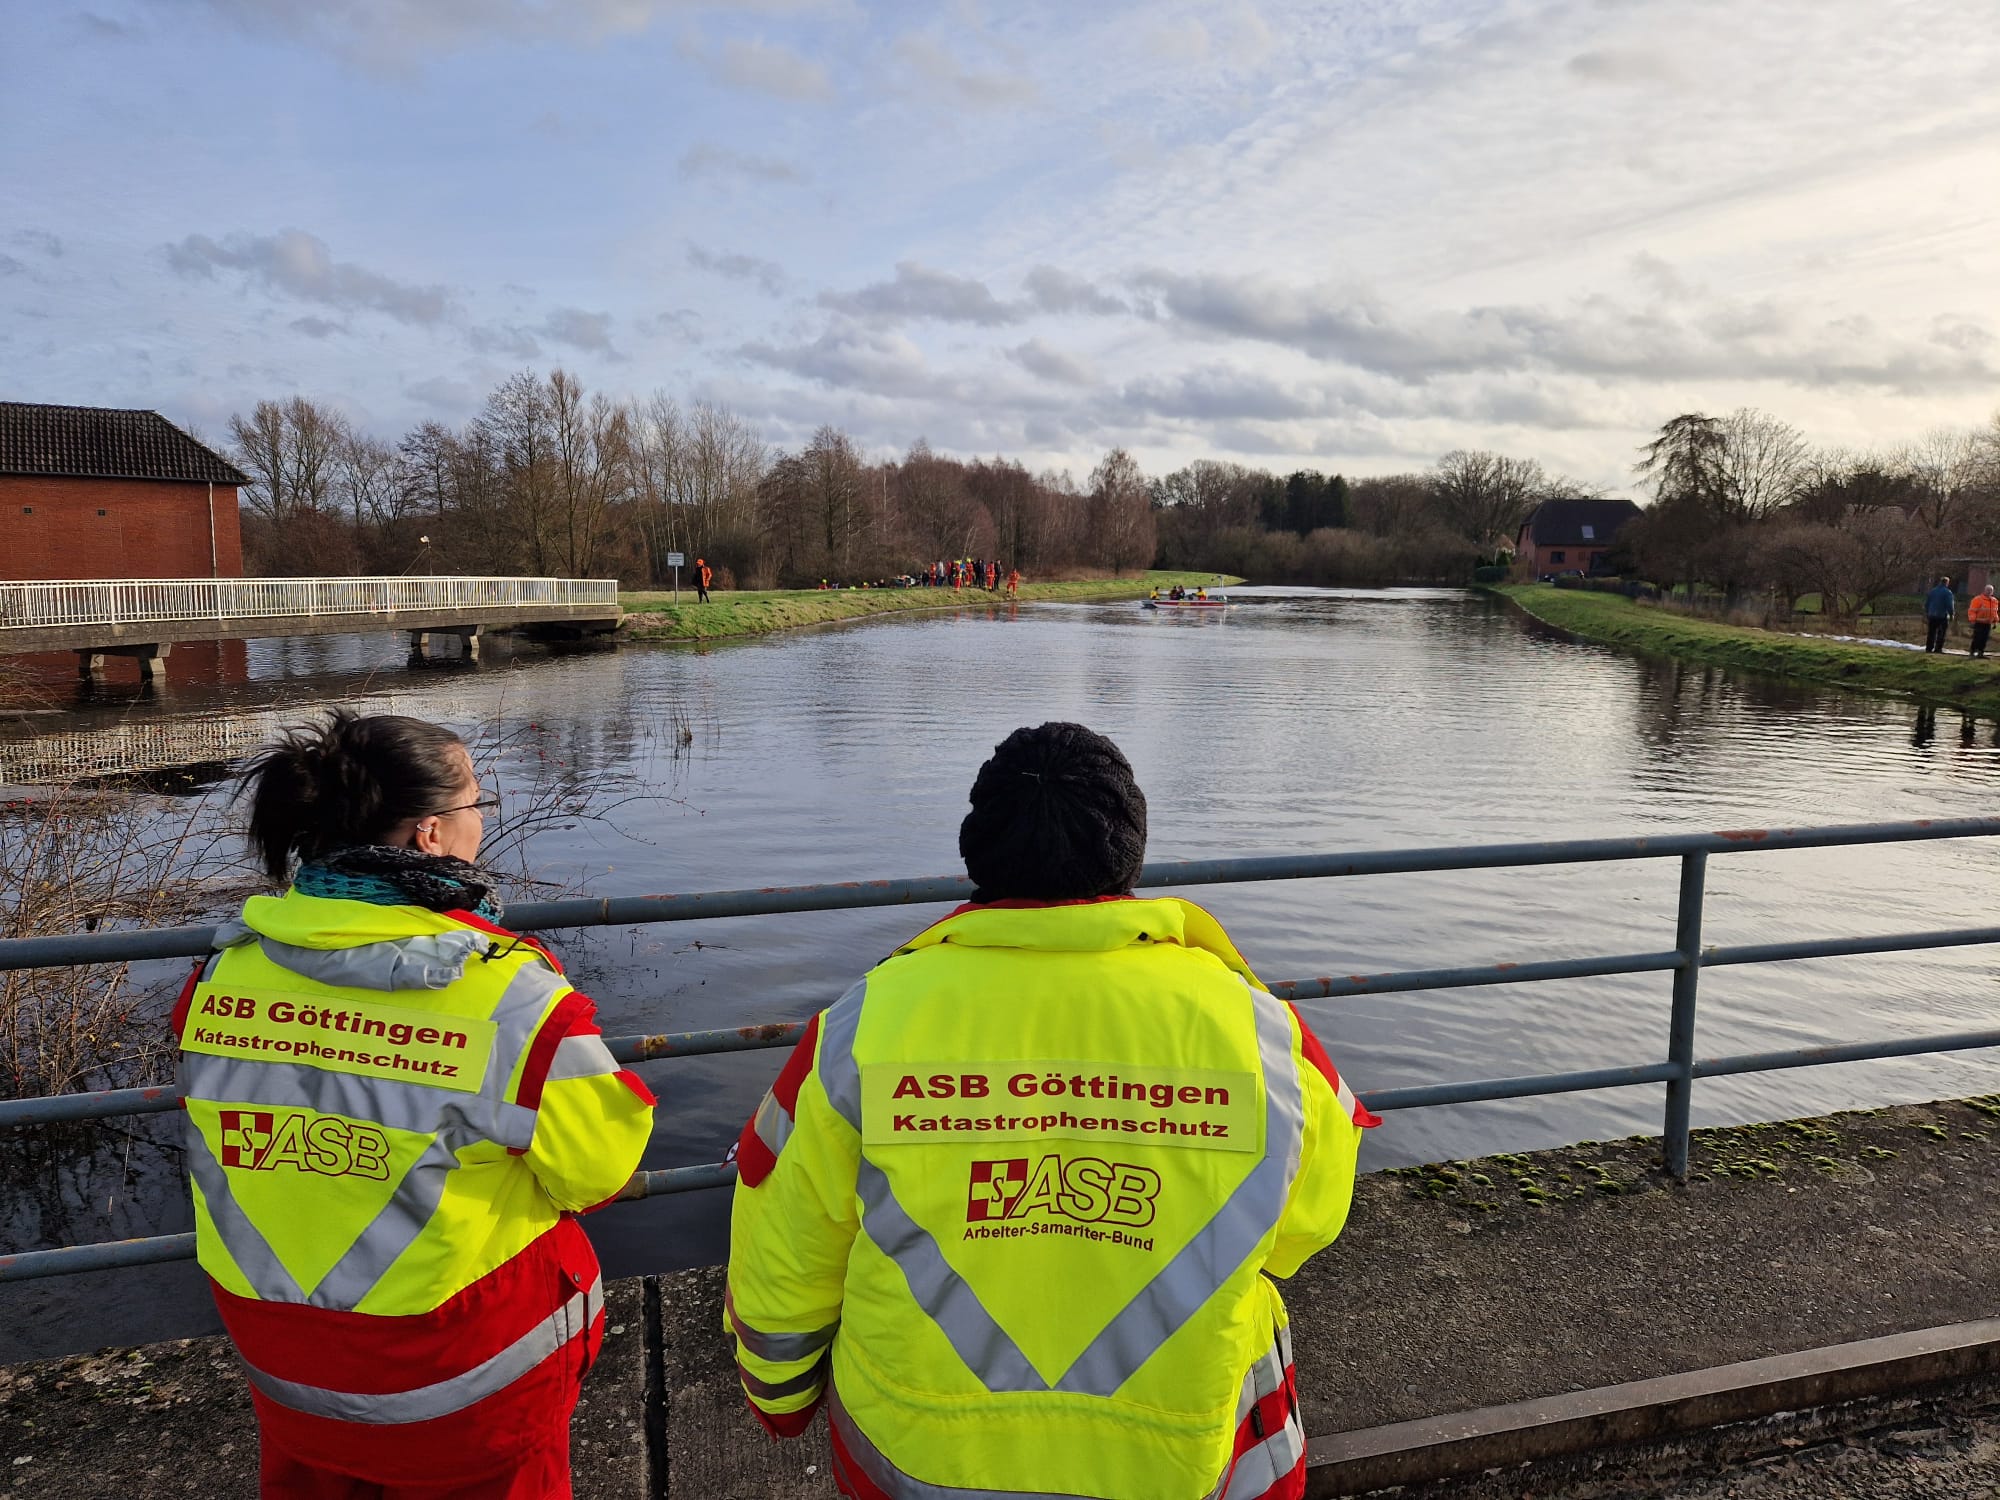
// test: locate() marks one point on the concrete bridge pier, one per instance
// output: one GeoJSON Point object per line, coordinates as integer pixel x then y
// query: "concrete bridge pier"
{"type": "Point", "coordinates": [467, 636]}
{"type": "Point", "coordinates": [150, 657]}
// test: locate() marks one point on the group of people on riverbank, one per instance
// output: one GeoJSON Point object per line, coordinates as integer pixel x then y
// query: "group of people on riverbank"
{"type": "Point", "coordinates": [1940, 604]}
{"type": "Point", "coordinates": [968, 573]}
{"type": "Point", "coordinates": [1010, 1212]}
{"type": "Point", "coordinates": [964, 573]}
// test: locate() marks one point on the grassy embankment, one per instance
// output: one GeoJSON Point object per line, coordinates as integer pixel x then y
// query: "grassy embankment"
{"type": "Point", "coordinates": [1957, 681]}
{"type": "Point", "coordinates": [739, 612]}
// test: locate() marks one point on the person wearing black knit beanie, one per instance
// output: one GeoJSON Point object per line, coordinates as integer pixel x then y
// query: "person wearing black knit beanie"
{"type": "Point", "coordinates": [1013, 1210]}
{"type": "Point", "coordinates": [1056, 816]}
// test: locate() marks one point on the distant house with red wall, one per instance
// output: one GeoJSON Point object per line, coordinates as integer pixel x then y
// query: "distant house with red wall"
{"type": "Point", "coordinates": [97, 492]}
{"type": "Point", "coordinates": [1564, 536]}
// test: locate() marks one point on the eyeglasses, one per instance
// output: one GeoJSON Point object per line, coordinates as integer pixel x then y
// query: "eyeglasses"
{"type": "Point", "coordinates": [483, 806]}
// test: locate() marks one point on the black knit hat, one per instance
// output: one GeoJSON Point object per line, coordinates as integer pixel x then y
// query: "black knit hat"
{"type": "Point", "coordinates": [1056, 816]}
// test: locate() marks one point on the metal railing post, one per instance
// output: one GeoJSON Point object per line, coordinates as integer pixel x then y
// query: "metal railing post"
{"type": "Point", "coordinates": [1680, 1029]}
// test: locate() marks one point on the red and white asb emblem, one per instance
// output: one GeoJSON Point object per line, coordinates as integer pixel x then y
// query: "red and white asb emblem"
{"type": "Point", "coordinates": [996, 1187]}
{"type": "Point", "coordinates": [245, 1134]}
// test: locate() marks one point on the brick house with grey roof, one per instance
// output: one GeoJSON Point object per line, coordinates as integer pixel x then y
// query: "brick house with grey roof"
{"type": "Point", "coordinates": [1564, 536]}
{"type": "Point", "coordinates": [98, 492]}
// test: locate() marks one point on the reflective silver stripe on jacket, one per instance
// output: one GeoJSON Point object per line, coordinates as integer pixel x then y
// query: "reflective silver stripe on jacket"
{"type": "Point", "coordinates": [838, 1073]}
{"type": "Point", "coordinates": [1258, 1470]}
{"type": "Point", "coordinates": [779, 1348]}
{"type": "Point", "coordinates": [246, 1244]}
{"type": "Point", "coordinates": [581, 1056]}
{"type": "Point", "coordinates": [1250, 1473]}
{"type": "Point", "coordinates": [775, 1390]}
{"type": "Point", "coordinates": [772, 1122]}
{"type": "Point", "coordinates": [388, 1102]}
{"type": "Point", "coordinates": [1205, 1263]}
{"type": "Point", "coordinates": [987, 1349]}
{"type": "Point", "coordinates": [897, 1485]}
{"type": "Point", "coordinates": [488, 1377]}
{"type": "Point", "coordinates": [426, 961]}
{"type": "Point", "coordinates": [1175, 1294]}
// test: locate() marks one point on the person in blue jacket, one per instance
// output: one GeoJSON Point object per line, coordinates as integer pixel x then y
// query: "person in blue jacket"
{"type": "Point", "coordinates": [1938, 606]}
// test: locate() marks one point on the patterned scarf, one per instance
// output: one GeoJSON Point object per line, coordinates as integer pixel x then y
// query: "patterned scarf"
{"type": "Point", "coordinates": [401, 877]}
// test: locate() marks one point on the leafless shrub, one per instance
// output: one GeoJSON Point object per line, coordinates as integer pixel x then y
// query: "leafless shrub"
{"type": "Point", "coordinates": [83, 859]}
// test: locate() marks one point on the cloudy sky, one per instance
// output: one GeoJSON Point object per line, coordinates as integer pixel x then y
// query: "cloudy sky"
{"type": "Point", "coordinates": [1350, 234]}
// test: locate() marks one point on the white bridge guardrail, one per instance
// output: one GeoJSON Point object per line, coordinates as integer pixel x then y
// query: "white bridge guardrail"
{"type": "Point", "coordinates": [135, 601]}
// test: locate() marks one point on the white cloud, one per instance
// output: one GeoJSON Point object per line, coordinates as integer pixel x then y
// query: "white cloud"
{"type": "Point", "coordinates": [295, 264]}
{"type": "Point", "coordinates": [578, 329]}
{"type": "Point", "coordinates": [935, 72]}
{"type": "Point", "coordinates": [923, 293]}
{"type": "Point", "coordinates": [401, 33]}
{"type": "Point", "coordinates": [1628, 65]}
{"type": "Point", "coordinates": [765, 68]}
{"type": "Point", "coordinates": [704, 159]}
{"type": "Point", "coordinates": [767, 274]}
{"type": "Point", "coordinates": [1041, 358]}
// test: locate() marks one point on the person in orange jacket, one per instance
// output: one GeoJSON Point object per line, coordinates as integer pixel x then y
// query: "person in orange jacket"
{"type": "Point", "coordinates": [1013, 583]}
{"type": "Point", "coordinates": [1983, 613]}
{"type": "Point", "coordinates": [704, 575]}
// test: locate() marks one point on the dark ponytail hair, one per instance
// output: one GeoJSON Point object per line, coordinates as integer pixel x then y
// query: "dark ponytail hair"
{"type": "Point", "coordinates": [346, 782]}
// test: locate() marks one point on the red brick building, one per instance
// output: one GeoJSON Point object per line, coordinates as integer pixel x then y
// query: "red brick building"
{"type": "Point", "coordinates": [93, 492]}
{"type": "Point", "coordinates": [1570, 536]}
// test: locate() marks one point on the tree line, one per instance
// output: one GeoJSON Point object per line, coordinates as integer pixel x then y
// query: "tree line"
{"type": "Point", "coordinates": [551, 479]}
{"type": "Point", "coordinates": [1743, 503]}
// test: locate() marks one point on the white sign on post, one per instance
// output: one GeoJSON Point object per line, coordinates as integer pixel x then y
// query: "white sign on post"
{"type": "Point", "coordinates": [676, 559]}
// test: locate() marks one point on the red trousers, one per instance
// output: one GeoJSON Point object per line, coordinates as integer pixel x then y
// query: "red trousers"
{"type": "Point", "coordinates": [543, 1475]}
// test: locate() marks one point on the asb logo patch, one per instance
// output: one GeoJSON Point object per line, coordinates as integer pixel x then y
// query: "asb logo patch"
{"type": "Point", "coordinates": [1075, 1189]}
{"type": "Point", "coordinates": [245, 1135]}
{"type": "Point", "coordinates": [262, 1140]}
{"type": "Point", "coordinates": [996, 1187]}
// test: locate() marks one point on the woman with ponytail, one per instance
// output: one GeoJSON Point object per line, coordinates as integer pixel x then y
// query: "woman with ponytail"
{"type": "Point", "coordinates": [396, 1108]}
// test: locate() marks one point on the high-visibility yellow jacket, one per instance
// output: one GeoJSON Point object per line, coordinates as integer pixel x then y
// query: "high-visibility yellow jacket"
{"type": "Point", "coordinates": [392, 1114]}
{"type": "Point", "coordinates": [1020, 1194]}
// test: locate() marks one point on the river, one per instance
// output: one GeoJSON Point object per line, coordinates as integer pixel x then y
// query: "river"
{"type": "Point", "coordinates": [1304, 720]}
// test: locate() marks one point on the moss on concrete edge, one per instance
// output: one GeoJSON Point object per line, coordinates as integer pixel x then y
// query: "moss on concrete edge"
{"type": "Point", "coordinates": [1847, 1147]}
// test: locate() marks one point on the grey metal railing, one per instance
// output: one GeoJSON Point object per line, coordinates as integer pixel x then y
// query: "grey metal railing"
{"type": "Point", "coordinates": [1679, 1070]}
{"type": "Point", "coordinates": [134, 601]}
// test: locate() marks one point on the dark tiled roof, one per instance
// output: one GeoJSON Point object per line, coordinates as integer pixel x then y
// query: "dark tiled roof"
{"type": "Point", "coordinates": [101, 442]}
{"type": "Point", "coordinates": [1560, 523]}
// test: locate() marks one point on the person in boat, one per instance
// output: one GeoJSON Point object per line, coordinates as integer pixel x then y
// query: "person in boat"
{"type": "Point", "coordinates": [1201, 595]}
{"type": "Point", "coordinates": [395, 1110]}
{"type": "Point", "coordinates": [993, 1296]}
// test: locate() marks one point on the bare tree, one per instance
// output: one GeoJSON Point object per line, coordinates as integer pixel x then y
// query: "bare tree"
{"type": "Point", "coordinates": [1484, 497]}
{"type": "Point", "coordinates": [518, 424]}
{"type": "Point", "coordinates": [834, 472]}
{"type": "Point", "coordinates": [1760, 464]}
{"type": "Point", "coordinates": [291, 450]}
{"type": "Point", "coordinates": [1121, 513]}
{"type": "Point", "coordinates": [934, 506]}
{"type": "Point", "coordinates": [1946, 466]}
{"type": "Point", "coordinates": [590, 454]}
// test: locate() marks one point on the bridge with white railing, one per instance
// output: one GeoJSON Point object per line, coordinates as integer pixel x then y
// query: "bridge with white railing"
{"type": "Point", "coordinates": [144, 617]}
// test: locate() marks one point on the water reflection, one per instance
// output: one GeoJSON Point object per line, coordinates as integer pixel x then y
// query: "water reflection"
{"type": "Point", "coordinates": [1300, 720]}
